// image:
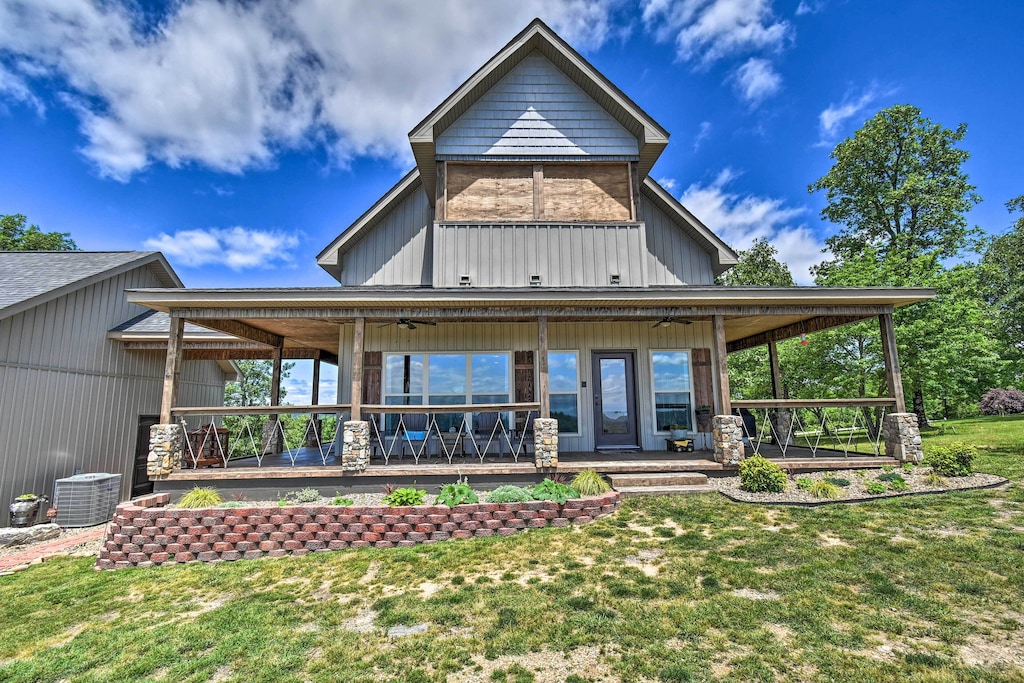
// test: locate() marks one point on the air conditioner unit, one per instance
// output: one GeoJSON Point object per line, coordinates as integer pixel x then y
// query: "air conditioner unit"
{"type": "Point", "coordinates": [86, 499]}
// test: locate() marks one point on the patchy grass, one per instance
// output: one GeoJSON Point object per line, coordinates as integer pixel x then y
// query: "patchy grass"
{"type": "Point", "coordinates": [668, 589]}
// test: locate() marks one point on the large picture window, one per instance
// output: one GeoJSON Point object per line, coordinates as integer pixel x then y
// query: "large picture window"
{"type": "Point", "coordinates": [440, 379]}
{"type": "Point", "coordinates": [672, 403]}
{"type": "Point", "coordinates": [563, 387]}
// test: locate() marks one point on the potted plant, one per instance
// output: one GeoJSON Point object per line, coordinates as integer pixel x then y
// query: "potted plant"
{"type": "Point", "coordinates": [678, 431]}
{"type": "Point", "coordinates": [25, 509]}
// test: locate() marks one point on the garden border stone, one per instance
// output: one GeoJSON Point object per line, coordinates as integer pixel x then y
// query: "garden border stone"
{"type": "Point", "coordinates": [834, 501]}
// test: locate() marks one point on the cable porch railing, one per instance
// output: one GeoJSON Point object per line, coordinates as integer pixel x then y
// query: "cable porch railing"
{"type": "Point", "coordinates": [843, 425]}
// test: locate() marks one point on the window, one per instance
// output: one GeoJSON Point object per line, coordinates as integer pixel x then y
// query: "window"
{"type": "Point", "coordinates": [440, 379]}
{"type": "Point", "coordinates": [671, 373]}
{"type": "Point", "coordinates": [563, 388]}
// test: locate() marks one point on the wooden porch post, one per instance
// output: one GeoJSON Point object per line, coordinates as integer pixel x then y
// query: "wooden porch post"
{"type": "Point", "coordinates": [721, 366]}
{"type": "Point", "coordinates": [893, 376]}
{"type": "Point", "coordinates": [357, 369]}
{"type": "Point", "coordinates": [773, 362]}
{"type": "Point", "coordinates": [315, 398]}
{"type": "Point", "coordinates": [542, 366]}
{"type": "Point", "coordinates": [275, 377]}
{"type": "Point", "coordinates": [172, 369]}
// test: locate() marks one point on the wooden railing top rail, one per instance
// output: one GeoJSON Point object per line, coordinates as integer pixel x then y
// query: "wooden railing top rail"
{"type": "Point", "coordinates": [461, 408]}
{"type": "Point", "coordinates": [262, 410]}
{"type": "Point", "coordinates": [817, 403]}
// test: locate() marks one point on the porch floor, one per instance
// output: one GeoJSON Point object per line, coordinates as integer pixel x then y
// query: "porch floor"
{"type": "Point", "coordinates": [308, 463]}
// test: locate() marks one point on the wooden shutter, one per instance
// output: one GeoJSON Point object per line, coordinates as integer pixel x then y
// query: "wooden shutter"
{"type": "Point", "coordinates": [703, 384]}
{"type": "Point", "coordinates": [586, 192]}
{"type": "Point", "coordinates": [489, 192]}
{"type": "Point", "coordinates": [525, 384]}
{"type": "Point", "coordinates": [372, 361]}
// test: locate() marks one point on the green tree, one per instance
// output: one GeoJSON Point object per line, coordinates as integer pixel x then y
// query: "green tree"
{"type": "Point", "coordinates": [15, 236]}
{"type": "Point", "coordinates": [898, 191]}
{"type": "Point", "coordinates": [252, 389]}
{"type": "Point", "coordinates": [1003, 286]}
{"type": "Point", "coordinates": [758, 266]}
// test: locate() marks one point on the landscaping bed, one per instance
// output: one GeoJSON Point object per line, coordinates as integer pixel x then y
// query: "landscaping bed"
{"type": "Point", "coordinates": [856, 488]}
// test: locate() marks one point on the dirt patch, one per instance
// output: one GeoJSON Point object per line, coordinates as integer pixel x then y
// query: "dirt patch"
{"type": "Point", "coordinates": [646, 561]}
{"type": "Point", "coordinates": [221, 674]}
{"type": "Point", "coordinates": [751, 594]}
{"type": "Point", "coordinates": [826, 541]}
{"type": "Point", "coordinates": [371, 573]}
{"type": "Point", "coordinates": [362, 622]}
{"type": "Point", "coordinates": [547, 667]}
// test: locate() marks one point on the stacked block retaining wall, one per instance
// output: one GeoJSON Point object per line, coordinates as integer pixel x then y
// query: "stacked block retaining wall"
{"type": "Point", "coordinates": [145, 533]}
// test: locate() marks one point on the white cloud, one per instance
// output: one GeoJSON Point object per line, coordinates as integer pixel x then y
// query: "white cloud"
{"type": "Point", "coordinates": [757, 80]}
{"type": "Point", "coordinates": [705, 31]}
{"type": "Point", "coordinates": [14, 88]}
{"type": "Point", "coordinates": [830, 121]}
{"type": "Point", "coordinates": [668, 183]}
{"type": "Point", "coordinates": [227, 84]}
{"type": "Point", "coordinates": [809, 7]}
{"type": "Point", "coordinates": [740, 219]}
{"type": "Point", "coordinates": [702, 134]}
{"type": "Point", "coordinates": [237, 248]}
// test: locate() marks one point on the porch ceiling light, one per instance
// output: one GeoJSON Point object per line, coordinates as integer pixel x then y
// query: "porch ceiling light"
{"type": "Point", "coordinates": [668, 320]}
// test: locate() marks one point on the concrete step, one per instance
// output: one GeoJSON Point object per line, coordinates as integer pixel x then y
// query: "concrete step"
{"type": "Point", "coordinates": [658, 479]}
{"type": "Point", "coordinates": [633, 491]}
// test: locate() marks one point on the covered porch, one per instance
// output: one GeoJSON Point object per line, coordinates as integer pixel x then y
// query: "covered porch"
{"type": "Point", "coordinates": [387, 343]}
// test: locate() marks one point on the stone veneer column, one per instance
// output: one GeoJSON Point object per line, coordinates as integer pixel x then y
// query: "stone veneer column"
{"type": "Point", "coordinates": [545, 441]}
{"type": "Point", "coordinates": [902, 437]}
{"type": "Point", "coordinates": [165, 450]}
{"type": "Point", "coordinates": [355, 447]}
{"type": "Point", "coordinates": [782, 426]}
{"type": "Point", "coordinates": [727, 434]}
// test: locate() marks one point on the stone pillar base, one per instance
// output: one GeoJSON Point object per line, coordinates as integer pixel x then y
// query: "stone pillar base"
{"type": "Point", "coordinates": [165, 450]}
{"type": "Point", "coordinates": [782, 427]}
{"type": "Point", "coordinates": [271, 438]}
{"type": "Point", "coordinates": [727, 434]}
{"type": "Point", "coordinates": [315, 434]}
{"type": "Point", "coordinates": [355, 446]}
{"type": "Point", "coordinates": [902, 437]}
{"type": "Point", "coordinates": [545, 442]}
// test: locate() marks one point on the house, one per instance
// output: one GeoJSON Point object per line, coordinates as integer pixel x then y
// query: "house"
{"type": "Point", "coordinates": [72, 399]}
{"type": "Point", "coordinates": [526, 290]}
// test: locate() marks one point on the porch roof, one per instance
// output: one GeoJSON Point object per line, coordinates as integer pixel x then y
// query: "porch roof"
{"type": "Point", "coordinates": [310, 316]}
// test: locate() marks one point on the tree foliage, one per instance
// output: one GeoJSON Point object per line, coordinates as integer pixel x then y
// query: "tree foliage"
{"type": "Point", "coordinates": [16, 236]}
{"type": "Point", "coordinates": [1003, 287]}
{"type": "Point", "coordinates": [758, 266]}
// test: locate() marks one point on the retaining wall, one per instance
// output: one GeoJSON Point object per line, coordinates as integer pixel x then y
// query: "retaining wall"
{"type": "Point", "coordinates": [145, 533]}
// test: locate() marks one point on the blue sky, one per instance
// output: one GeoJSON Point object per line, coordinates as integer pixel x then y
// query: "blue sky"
{"type": "Point", "coordinates": [241, 138]}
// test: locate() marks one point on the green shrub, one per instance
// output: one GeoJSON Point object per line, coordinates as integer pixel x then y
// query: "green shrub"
{"type": "Point", "coordinates": [838, 481]}
{"type": "Point", "coordinates": [908, 467]}
{"type": "Point", "coordinates": [935, 479]}
{"type": "Point", "coordinates": [509, 494]}
{"type": "Point", "coordinates": [804, 483]}
{"type": "Point", "coordinates": [549, 490]}
{"type": "Point", "coordinates": [759, 474]}
{"type": "Point", "coordinates": [889, 476]}
{"type": "Point", "coordinates": [888, 468]}
{"type": "Point", "coordinates": [898, 484]}
{"type": "Point", "coordinates": [456, 494]}
{"type": "Point", "coordinates": [590, 483]}
{"type": "Point", "coordinates": [309, 495]}
{"type": "Point", "coordinates": [341, 500]}
{"type": "Point", "coordinates": [823, 488]}
{"type": "Point", "coordinates": [954, 460]}
{"type": "Point", "coordinates": [201, 497]}
{"type": "Point", "coordinates": [233, 504]}
{"type": "Point", "coordinates": [409, 495]}
{"type": "Point", "coordinates": [875, 488]}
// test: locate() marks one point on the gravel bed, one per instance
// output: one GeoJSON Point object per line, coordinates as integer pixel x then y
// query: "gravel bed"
{"type": "Point", "coordinates": [730, 486]}
{"type": "Point", "coordinates": [65, 533]}
{"type": "Point", "coordinates": [358, 499]}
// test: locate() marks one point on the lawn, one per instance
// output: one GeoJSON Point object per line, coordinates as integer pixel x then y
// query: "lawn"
{"type": "Point", "coordinates": [927, 588]}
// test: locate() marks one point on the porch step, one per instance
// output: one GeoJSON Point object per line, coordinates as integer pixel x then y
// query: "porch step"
{"type": "Point", "coordinates": [657, 479]}
{"type": "Point", "coordinates": [633, 491]}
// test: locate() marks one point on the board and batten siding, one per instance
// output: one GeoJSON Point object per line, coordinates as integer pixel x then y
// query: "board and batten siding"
{"type": "Point", "coordinates": [673, 257]}
{"type": "Point", "coordinates": [70, 398]}
{"type": "Point", "coordinates": [563, 255]}
{"type": "Point", "coordinates": [396, 251]}
{"type": "Point", "coordinates": [536, 110]}
{"type": "Point", "coordinates": [510, 337]}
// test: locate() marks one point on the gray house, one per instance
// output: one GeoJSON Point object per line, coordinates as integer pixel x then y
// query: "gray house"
{"type": "Point", "coordinates": [73, 398]}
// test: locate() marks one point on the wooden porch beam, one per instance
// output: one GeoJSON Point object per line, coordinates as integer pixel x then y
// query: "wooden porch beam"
{"type": "Point", "coordinates": [234, 351]}
{"type": "Point", "coordinates": [542, 366]}
{"type": "Point", "coordinates": [893, 376]}
{"type": "Point", "coordinates": [172, 368]}
{"type": "Point", "coordinates": [823, 322]}
{"type": "Point", "coordinates": [721, 364]}
{"type": "Point", "coordinates": [357, 368]}
{"type": "Point", "coordinates": [238, 329]}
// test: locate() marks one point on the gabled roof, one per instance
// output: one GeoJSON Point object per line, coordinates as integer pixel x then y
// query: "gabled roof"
{"type": "Point", "coordinates": [651, 137]}
{"type": "Point", "coordinates": [156, 325]}
{"type": "Point", "coordinates": [722, 255]}
{"type": "Point", "coordinates": [330, 258]}
{"type": "Point", "coordinates": [31, 278]}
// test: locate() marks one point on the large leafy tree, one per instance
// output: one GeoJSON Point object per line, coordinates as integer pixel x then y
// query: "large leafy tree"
{"type": "Point", "coordinates": [1002, 266]}
{"type": "Point", "coordinates": [898, 191]}
{"type": "Point", "coordinates": [251, 389]}
{"type": "Point", "coordinates": [15, 235]}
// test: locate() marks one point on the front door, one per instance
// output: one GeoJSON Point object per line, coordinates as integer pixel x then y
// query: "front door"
{"type": "Point", "coordinates": [614, 400]}
{"type": "Point", "coordinates": [141, 485]}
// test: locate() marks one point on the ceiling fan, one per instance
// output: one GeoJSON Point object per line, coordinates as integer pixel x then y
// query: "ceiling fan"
{"type": "Point", "coordinates": [408, 323]}
{"type": "Point", "coordinates": [668, 320]}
